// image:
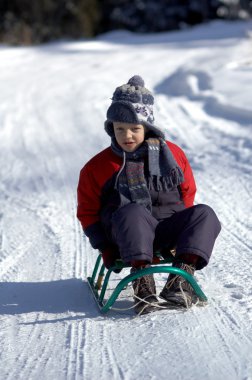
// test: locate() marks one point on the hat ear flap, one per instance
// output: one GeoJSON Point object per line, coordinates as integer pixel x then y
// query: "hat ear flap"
{"type": "Point", "coordinates": [109, 128]}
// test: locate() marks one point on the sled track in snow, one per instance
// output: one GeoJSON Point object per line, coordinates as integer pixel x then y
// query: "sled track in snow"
{"type": "Point", "coordinates": [79, 258]}
{"type": "Point", "coordinates": [22, 241]}
{"type": "Point", "coordinates": [108, 357]}
{"type": "Point", "coordinates": [76, 330]}
{"type": "Point", "coordinates": [75, 343]}
{"type": "Point", "coordinates": [30, 362]}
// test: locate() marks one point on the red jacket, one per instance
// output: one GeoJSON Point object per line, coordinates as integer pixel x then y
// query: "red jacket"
{"type": "Point", "coordinates": [95, 175]}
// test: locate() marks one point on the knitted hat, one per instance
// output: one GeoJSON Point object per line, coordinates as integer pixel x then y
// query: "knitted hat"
{"type": "Point", "coordinates": [132, 103]}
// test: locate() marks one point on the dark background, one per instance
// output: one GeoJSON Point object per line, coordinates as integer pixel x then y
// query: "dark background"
{"type": "Point", "coordinates": [26, 22]}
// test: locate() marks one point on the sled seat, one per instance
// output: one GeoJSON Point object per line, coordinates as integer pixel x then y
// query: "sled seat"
{"type": "Point", "coordinates": [166, 257]}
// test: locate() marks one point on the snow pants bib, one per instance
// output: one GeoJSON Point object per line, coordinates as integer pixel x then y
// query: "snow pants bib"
{"type": "Point", "coordinates": [138, 234]}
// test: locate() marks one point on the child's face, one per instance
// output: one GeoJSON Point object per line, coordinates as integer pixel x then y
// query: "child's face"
{"type": "Point", "coordinates": [129, 136]}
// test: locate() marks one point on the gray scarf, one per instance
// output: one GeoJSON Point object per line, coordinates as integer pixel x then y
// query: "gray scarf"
{"type": "Point", "coordinates": [134, 180]}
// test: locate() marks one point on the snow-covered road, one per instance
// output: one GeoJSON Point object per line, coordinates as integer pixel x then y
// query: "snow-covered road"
{"type": "Point", "coordinates": [53, 101]}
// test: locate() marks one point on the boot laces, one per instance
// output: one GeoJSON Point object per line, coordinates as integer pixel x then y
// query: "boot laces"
{"type": "Point", "coordinates": [177, 280]}
{"type": "Point", "coordinates": [144, 286]}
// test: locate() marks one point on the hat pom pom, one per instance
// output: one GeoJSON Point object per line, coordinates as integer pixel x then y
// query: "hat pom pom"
{"type": "Point", "coordinates": [136, 80]}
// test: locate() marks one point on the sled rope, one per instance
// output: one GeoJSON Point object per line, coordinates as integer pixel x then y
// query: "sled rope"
{"type": "Point", "coordinates": [183, 295]}
{"type": "Point", "coordinates": [154, 303]}
{"type": "Point", "coordinates": [141, 300]}
{"type": "Point", "coordinates": [132, 307]}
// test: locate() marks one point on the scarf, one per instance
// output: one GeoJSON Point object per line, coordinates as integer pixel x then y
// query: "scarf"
{"type": "Point", "coordinates": [134, 180]}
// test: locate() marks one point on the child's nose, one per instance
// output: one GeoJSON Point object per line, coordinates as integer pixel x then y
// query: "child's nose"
{"type": "Point", "coordinates": [128, 133]}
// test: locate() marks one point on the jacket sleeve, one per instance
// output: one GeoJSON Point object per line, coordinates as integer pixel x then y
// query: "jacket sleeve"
{"type": "Point", "coordinates": [88, 209]}
{"type": "Point", "coordinates": [188, 187]}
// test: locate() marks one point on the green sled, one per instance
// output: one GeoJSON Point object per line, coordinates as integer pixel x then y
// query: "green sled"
{"type": "Point", "coordinates": [99, 286]}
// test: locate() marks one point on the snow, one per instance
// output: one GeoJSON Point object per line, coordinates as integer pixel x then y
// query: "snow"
{"type": "Point", "coordinates": [53, 101]}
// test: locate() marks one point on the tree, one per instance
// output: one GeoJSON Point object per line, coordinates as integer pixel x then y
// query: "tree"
{"type": "Point", "coordinates": [27, 22]}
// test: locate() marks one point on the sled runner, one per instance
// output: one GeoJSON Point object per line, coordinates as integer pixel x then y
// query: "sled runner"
{"type": "Point", "coordinates": [99, 280]}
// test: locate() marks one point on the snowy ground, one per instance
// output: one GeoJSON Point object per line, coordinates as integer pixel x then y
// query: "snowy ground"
{"type": "Point", "coordinates": [53, 101]}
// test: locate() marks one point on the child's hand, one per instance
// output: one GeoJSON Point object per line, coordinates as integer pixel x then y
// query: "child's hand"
{"type": "Point", "coordinates": [109, 256]}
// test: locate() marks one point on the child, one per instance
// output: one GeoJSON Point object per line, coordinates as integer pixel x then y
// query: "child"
{"type": "Point", "coordinates": [136, 197]}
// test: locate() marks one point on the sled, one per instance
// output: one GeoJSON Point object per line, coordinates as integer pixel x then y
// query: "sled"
{"type": "Point", "coordinates": [99, 280]}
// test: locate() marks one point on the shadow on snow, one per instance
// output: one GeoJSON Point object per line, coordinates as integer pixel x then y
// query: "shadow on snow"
{"type": "Point", "coordinates": [70, 295]}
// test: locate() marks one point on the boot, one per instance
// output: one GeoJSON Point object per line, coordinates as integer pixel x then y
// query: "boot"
{"type": "Point", "coordinates": [144, 289]}
{"type": "Point", "coordinates": [177, 290]}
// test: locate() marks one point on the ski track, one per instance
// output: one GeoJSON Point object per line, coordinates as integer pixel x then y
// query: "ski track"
{"type": "Point", "coordinates": [76, 338]}
{"type": "Point", "coordinates": [27, 363]}
{"type": "Point", "coordinates": [41, 240]}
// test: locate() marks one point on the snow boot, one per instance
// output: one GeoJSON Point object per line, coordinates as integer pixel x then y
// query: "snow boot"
{"type": "Point", "coordinates": [144, 293]}
{"type": "Point", "coordinates": [177, 290]}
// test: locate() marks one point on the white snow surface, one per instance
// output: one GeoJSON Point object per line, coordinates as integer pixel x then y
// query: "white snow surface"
{"type": "Point", "coordinates": [53, 102]}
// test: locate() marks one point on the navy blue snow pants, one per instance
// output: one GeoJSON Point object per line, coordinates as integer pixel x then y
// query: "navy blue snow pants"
{"type": "Point", "coordinates": [138, 234]}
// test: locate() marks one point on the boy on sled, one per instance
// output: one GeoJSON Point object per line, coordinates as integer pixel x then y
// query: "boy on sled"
{"type": "Point", "coordinates": [136, 197]}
